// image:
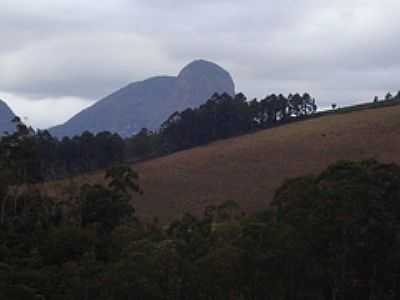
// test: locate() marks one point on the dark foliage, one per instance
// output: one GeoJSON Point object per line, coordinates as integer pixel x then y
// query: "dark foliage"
{"type": "Point", "coordinates": [224, 116]}
{"type": "Point", "coordinates": [333, 236]}
{"type": "Point", "coordinates": [72, 156]}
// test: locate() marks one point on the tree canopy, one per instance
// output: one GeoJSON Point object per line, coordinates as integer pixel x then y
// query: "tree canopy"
{"type": "Point", "coordinates": [331, 236]}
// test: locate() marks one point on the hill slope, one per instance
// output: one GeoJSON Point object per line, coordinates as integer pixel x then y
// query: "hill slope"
{"type": "Point", "coordinates": [6, 115]}
{"type": "Point", "coordinates": [150, 102]}
{"type": "Point", "coordinates": [249, 168]}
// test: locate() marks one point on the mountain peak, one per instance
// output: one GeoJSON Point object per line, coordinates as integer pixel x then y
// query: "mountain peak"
{"type": "Point", "coordinates": [200, 63]}
{"type": "Point", "coordinates": [200, 79]}
{"type": "Point", "coordinates": [148, 103]}
{"type": "Point", "coordinates": [201, 67]}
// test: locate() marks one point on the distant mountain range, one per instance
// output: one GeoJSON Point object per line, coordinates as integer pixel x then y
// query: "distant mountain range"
{"type": "Point", "coordinates": [146, 104]}
{"type": "Point", "coordinates": [6, 116]}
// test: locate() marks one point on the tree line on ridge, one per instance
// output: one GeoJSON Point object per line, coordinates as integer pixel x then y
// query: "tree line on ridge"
{"type": "Point", "coordinates": [222, 116]}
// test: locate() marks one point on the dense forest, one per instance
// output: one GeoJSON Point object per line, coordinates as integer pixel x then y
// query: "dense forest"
{"type": "Point", "coordinates": [331, 236]}
{"type": "Point", "coordinates": [224, 116]}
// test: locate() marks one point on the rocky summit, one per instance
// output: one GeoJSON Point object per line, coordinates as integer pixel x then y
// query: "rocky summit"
{"type": "Point", "coordinates": [148, 103]}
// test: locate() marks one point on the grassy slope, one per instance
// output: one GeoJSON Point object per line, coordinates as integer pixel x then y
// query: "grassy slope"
{"type": "Point", "coordinates": [249, 168]}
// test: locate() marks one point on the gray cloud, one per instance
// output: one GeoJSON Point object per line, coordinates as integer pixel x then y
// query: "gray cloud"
{"type": "Point", "coordinates": [42, 112]}
{"type": "Point", "coordinates": [342, 51]}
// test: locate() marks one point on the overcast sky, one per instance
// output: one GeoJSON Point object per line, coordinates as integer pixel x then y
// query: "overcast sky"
{"type": "Point", "coordinates": [57, 57]}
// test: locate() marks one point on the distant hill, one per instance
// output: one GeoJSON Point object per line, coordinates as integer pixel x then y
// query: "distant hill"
{"type": "Point", "coordinates": [146, 104]}
{"type": "Point", "coordinates": [249, 168]}
{"type": "Point", "coordinates": [6, 115]}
